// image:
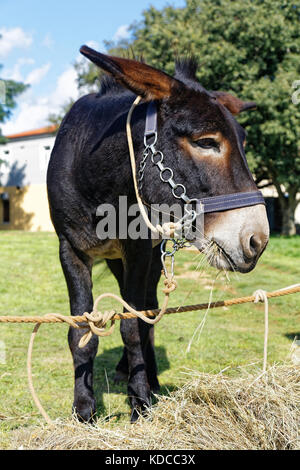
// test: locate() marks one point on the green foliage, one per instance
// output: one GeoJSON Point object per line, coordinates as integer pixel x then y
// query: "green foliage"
{"type": "Point", "coordinates": [13, 89]}
{"type": "Point", "coordinates": [250, 48]}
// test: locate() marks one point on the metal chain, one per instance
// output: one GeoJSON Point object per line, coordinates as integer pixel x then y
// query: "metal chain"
{"type": "Point", "coordinates": [167, 176]}
{"type": "Point", "coordinates": [177, 245]}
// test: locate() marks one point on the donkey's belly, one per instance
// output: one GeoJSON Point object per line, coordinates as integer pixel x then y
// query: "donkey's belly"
{"type": "Point", "coordinates": [110, 249]}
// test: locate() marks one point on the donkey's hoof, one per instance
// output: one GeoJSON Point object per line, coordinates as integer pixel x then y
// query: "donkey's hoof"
{"type": "Point", "coordinates": [154, 385]}
{"type": "Point", "coordinates": [138, 411]}
{"type": "Point", "coordinates": [155, 389]}
{"type": "Point", "coordinates": [85, 410]}
{"type": "Point", "coordinates": [135, 414]}
{"type": "Point", "coordinates": [120, 376]}
{"type": "Point", "coordinates": [139, 406]}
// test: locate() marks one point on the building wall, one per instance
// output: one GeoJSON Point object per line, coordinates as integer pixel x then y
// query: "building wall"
{"type": "Point", "coordinates": [23, 180]}
{"type": "Point", "coordinates": [29, 209]}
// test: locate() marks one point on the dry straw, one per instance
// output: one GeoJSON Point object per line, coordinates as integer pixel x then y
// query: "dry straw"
{"type": "Point", "coordinates": [208, 412]}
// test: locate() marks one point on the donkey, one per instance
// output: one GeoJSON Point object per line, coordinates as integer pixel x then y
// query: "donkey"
{"type": "Point", "coordinates": [203, 144]}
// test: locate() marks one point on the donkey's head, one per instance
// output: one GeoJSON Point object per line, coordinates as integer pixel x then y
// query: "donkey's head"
{"type": "Point", "coordinates": [204, 145]}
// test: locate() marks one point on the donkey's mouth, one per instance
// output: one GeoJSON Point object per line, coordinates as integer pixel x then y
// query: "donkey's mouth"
{"type": "Point", "coordinates": [219, 258]}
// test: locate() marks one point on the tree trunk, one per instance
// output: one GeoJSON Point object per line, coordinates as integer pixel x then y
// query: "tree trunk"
{"type": "Point", "coordinates": [288, 206]}
{"type": "Point", "coordinates": [288, 221]}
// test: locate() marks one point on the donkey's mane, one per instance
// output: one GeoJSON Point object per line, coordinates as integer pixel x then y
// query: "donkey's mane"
{"type": "Point", "coordinates": [185, 71]}
{"type": "Point", "coordinates": [110, 86]}
{"type": "Point", "coordinates": [186, 68]}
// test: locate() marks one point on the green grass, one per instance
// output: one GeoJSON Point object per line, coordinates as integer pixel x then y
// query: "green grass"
{"type": "Point", "coordinates": [32, 283]}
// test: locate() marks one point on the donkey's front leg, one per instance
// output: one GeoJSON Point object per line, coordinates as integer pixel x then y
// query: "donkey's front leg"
{"type": "Point", "coordinates": [77, 270]}
{"type": "Point", "coordinates": [137, 264]}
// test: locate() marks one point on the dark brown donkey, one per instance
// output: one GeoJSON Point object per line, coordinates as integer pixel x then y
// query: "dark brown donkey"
{"type": "Point", "coordinates": [204, 146]}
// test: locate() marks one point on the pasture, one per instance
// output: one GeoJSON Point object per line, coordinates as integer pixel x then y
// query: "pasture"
{"type": "Point", "coordinates": [32, 283]}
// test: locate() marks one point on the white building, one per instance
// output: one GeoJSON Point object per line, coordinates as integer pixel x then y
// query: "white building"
{"type": "Point", "coordinates": [23, 193]}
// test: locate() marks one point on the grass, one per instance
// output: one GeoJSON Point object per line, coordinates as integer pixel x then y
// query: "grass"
{"type": "Point", "coordinates": [32, 283]}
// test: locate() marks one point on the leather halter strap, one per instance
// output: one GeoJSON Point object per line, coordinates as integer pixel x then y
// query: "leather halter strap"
{"type": "Point", "coordinates": [220, 203]}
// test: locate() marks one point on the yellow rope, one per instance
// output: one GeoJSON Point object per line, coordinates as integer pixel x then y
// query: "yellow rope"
{"type": "Point", "coordinates": [83, 321]}
{"type": "Point", "coordinates": [96, 321]}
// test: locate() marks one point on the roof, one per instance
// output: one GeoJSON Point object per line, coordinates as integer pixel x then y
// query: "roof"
{"type": "Point", "coordinates": [35, 132]}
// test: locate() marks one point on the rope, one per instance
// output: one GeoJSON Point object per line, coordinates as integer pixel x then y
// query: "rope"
{"type": "Point", "coordinates": [96, 321]}
{"type": "Point", "coordinates": [167, 229]}
{"type": "Point", "coordinates": [81, 321]}
{"type": "Point", "coordinates": [261, 296]}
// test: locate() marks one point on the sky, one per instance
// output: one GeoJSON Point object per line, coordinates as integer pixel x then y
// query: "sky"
{"type": "Point", "coordinates": [40, 41]}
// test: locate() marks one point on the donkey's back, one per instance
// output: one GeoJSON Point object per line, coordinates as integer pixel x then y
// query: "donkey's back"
{"type": "Point", "coordinates": [88, 164]}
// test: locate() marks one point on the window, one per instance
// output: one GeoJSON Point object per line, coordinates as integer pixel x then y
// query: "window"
{"type": "Point", "coordinates": [44, 156]}
{"type": "Point", "coordinates": [6, 211]}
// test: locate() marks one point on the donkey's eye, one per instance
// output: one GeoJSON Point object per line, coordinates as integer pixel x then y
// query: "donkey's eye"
{"type": "Point", "coordinates": [208, 144]}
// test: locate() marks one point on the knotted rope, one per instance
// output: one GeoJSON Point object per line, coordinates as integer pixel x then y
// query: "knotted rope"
{"type": "Point", "coordinates": [96, 321]}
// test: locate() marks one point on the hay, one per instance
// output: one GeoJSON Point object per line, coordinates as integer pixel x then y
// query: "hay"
{"type": "Point", "coordinates": [208, 412]}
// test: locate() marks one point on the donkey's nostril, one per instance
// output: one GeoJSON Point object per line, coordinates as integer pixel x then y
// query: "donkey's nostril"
{"type": "Point", "coordinates": [255, 243]}
{"type": "Point", "coordinates": [252, 246]}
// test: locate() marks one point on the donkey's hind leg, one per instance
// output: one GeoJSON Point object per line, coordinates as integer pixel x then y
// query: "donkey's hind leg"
{"type": "Point", "coordinates": [117, 268]}
{"type": "Point", "coordinates": [137, 264]}
{"type": "Point", "coordinates": [77, 270]}
{"type": "Point", "coordinates": [146, 331]}
{"type": "Point", "coordinates": [151, 303]}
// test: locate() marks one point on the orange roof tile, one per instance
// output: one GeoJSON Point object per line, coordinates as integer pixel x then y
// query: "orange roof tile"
{"type": "Point", "coordinates": [42, 130]}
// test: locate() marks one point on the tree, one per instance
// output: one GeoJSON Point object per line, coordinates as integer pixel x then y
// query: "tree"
{"type": "Point", "coordinates": [247, 47]}
{"type": "Point", "coordinates": [8, 92]}
{"type": "Point", "coordinates": [11, 90]}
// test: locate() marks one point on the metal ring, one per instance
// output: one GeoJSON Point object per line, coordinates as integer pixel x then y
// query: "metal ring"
{"type": "Point", "coordinates": [157, 153]}
{"type": "Point", "coordinates": [162, 172]}
{"type": "Point", "coordinates": [153, 134]}
{"type": "Point", "coordinates": [183, 191]}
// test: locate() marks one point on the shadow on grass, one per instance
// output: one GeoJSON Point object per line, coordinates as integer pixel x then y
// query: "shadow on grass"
{"type": "Point", "coordinates": [292, 336]}
{"type": "Point", "coordinates": [104, 372]}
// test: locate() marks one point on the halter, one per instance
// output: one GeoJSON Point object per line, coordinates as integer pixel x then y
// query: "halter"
{"type": "Point", "coordinates": [206, 205]}
{"type": "Point", "coordinates": [171, 230]}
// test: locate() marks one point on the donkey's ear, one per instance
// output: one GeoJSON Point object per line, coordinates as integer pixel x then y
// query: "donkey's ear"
{"type": "Point", "coordinates": [140, 78]}
{"type": "Point", "coordinates": [232, 103]}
